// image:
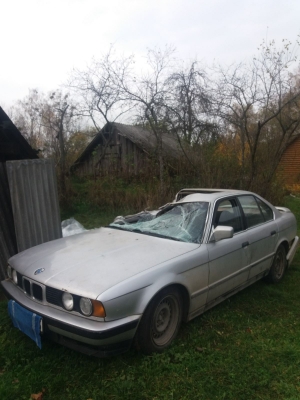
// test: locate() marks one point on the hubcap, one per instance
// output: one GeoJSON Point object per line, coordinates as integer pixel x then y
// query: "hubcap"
{"type": "Point", "coordinates": [165, 320]}
{"type": "Point", "coordinates": [163, 316]}
{"type": "Point", "coordinates": [279, 265]}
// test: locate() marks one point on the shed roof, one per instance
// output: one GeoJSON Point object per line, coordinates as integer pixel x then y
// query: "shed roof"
{"type": "Point", "coordinates": [13, 146]}
{"type": "Point", "coordinates": [141, 137]}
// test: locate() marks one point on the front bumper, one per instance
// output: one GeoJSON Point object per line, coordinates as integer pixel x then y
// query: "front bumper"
{"type": "Point", "coordinates": [92, 337]}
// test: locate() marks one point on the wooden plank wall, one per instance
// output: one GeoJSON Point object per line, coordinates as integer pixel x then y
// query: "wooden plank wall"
{"type": "Point", "coordinates": [122, 157]}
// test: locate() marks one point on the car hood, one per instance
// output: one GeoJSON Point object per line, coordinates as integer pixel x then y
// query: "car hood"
{"type": "Point", "coordinates": [90, 263]}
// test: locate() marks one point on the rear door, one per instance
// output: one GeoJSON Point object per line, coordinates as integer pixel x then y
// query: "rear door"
{"type": "Point", "coordinates": [262, 233]}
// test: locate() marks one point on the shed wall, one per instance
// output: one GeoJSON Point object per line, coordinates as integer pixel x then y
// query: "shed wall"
{"type": "Point", "coordinates": [122, 156]}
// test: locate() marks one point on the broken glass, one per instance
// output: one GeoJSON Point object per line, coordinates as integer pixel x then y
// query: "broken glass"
{"type": "Point", "coordinates": [184, 222]}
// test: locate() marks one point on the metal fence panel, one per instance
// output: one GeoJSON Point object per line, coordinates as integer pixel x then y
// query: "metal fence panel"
{"type": "Point", "coordinates": [8, 245]}
{"type": "Point", "coordinates": [34, 198]}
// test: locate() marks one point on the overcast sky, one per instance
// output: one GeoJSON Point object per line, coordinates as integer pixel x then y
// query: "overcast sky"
{"type": "Point", "coordinates": [42, 40]}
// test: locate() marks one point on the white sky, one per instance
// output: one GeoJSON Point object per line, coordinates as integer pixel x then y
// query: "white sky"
{"type": "Point", "coordinates": [42, 40]}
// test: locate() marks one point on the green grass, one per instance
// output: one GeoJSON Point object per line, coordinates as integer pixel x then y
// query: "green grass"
{"type": "Point", "coordinates": [248, 347]}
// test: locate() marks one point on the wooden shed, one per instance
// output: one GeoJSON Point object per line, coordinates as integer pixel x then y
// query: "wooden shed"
{"type": "Point", "coordinates": [290, 162]}
{"type": "Point", "coordinates": [13, 146]}
{"type": "Point", "coordinates": [124, 149]}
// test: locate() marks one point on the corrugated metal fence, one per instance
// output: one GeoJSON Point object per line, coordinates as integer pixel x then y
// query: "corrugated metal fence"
{"type": "Point", "coordinates": [34, 198]}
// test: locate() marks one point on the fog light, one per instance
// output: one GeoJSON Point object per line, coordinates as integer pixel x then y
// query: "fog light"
{"type": "Point", "coordinates": [68, 301]}
{"type": "Point", "coordinates": [86, 306]}
{"type": "Point", "coordinates": [9, 271]}
{"type": "Point", "coordinates": [14, 276]}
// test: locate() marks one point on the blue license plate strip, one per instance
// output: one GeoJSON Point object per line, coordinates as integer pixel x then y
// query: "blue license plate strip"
{"type": "Point", "coordinates": [26, 321]}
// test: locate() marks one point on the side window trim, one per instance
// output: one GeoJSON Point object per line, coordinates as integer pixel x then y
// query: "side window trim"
{"type": "Point", "coordinates": [236, 203]}
{"type": "Point", "coordinates": [272, 219]}
{"type": "Point", "coordinates": [244, 216]}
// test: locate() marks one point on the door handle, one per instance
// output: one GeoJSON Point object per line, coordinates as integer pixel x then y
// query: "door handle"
{"type": "Point", "coordinates": [273, 233]}
{"type": "Point", "coordinates": [245, 244]}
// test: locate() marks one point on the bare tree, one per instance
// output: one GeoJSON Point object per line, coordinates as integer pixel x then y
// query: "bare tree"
{"type": "Point", "coordinates": [100, 97]}
{"type": "Point", "coordinates": [259, 102]}
{"type": "Point", "coordinates": [26, 115]}
{"type": "Point", "coordinates": [189, 105]}
{"type": "Point", "coordinates": [148, 93]}
{"type": "Point", "coordinates": [59, 120]}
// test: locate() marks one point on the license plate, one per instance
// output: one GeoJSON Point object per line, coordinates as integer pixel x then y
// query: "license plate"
{"type": "Point", "coordinates": [26, 321]}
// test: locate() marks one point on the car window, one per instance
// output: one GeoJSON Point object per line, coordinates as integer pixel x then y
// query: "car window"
{"type": "Point", "coordinates": [183, 221]}
{"type": "Point", "coordinates": [267, 212]}
{"type": "Point", "coordinates": [251, 210]}
{"type": "Point", "coordinates": [228, 214]}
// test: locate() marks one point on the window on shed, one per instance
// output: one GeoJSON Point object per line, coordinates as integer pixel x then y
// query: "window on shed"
{"type": "Point", "coordinates": [251, 210]}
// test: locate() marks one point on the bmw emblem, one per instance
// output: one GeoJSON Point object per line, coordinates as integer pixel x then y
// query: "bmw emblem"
{"type": "Point", "coordinates": [38, 271]}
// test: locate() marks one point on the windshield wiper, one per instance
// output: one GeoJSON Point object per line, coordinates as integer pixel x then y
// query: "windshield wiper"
{"type": "Point", "coordinates": [136, 230]}
{"type": "Point", "coordinates": [118, 227]}
{"type": "Point", "coordinates": [156, 235]}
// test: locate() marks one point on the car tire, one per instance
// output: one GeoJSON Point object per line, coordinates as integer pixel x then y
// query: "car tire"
{"type": "Point", "coordinates": [161, 321]}
{"type": "Point", "coordinates": [278, 267]}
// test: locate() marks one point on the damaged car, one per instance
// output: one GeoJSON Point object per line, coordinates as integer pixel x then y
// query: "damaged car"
{"type": "Point", "coordinates": [137, 279]}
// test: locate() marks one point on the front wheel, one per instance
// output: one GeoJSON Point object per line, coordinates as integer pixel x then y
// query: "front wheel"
{"type": "Point", "coordinates": [160, 322]}
{"type": "Point", "coordinates": [278, 267]}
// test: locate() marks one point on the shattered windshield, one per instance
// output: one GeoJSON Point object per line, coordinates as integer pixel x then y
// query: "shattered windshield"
{"type": "Point", "coordinates": [184, 222]}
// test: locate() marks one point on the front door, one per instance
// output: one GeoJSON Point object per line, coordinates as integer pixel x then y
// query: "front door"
{"type": "Point", "coordinates": [229, 259]}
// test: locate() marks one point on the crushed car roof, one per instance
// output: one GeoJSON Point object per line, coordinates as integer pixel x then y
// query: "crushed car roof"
{"type": "Point", "coordinates": [203, 194]}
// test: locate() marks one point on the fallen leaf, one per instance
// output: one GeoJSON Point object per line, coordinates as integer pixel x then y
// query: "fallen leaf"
{"type": "Point", "coordinates": [37, 396]}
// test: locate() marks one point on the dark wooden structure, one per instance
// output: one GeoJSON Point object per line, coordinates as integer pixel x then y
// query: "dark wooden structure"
{"type": "Point", "coordinates": [124, 149]}
{"type": "Point", "coordinates": [13, 146]}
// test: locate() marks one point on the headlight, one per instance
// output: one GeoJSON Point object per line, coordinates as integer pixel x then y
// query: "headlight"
{"type": "Point", "coordinates": [68, 301]}
{"type": "Point", "coordinates": [14, 276]}
{"type": "Point", "coordinates": [86, 306]}
{"type": "Point", "coordinates": [9, 271]}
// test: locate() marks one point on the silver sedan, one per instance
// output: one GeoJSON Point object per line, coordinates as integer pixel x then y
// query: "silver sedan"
{"type": "Point", "coordinates": [140, 277]}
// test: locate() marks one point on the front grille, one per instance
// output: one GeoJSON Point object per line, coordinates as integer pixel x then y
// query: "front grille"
{"type": "Point", "coordinates": [26, 286]}
{"type": "Point", "coordinates": [37, 291]}
{"type": "Point", "coordinates": [19, 276]}
{"type": "Point", "coordinates": [53, 296]}
{"type": "Point", "coordinates": [30, 288]}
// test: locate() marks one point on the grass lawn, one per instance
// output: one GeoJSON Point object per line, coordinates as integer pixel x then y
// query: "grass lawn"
{"type": "Point", "coordinates": [248, 347]}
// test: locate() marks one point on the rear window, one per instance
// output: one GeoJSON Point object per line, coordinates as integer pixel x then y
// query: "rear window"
{"type": "Point", "coordinates": [267, 212]}
{"type": "Point", "coordinates": [251, 210]}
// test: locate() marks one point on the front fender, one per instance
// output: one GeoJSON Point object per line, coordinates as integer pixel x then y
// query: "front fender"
{"type": "Point", "coordinates": [135, 302]}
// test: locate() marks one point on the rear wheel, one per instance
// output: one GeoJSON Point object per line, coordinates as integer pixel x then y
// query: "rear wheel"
{"type": "Point", "coordinates": [278, 267]}
{"type": "Point", "coordinates": [160, 322]}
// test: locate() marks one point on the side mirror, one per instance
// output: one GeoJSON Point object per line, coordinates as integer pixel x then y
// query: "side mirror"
{"type": "Point", "coordinates": [220, 233]}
